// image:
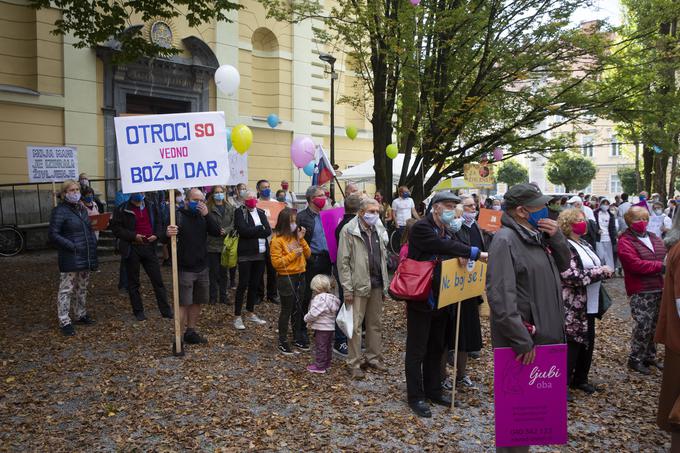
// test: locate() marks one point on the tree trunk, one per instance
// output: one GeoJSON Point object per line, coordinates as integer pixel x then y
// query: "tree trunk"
{"type": "Point", "coordinates": [648, 159]}
{"type": "Point", "coordinates": [638, 183]}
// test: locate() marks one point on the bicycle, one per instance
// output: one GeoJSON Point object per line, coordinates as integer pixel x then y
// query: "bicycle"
{"type": "Point", "coordinates": [11, 240]}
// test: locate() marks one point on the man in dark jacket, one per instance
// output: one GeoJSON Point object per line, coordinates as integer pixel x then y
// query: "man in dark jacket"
{"type": "Point", "coordinates": [523, 282]}
{"type": "Point", "coordinates": [137, 224]}
{"type": "Point", "coordinates": [431, 238]}
{"type": "Point", "coordinates": [192, 229]}
{"type": "Point", "coordinates": [320, 261]}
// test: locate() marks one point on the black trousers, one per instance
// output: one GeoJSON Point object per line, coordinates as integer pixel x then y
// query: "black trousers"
{"type": "Point", "coordinates": [249, 277]}
{"type": "Point", "coordinates": [218, 278]}
{"type": "Point", "coordinates": [425, 344]}
{"type": "Point", "coordinates": [271, 279]}
{"type": "Point", "coordinates": [145, 255]}
{"type": "Point", "coordinates": [292, 290]}
{"type": "Point", "coordinates": [316, 264]}
{"type": "Point", "coordinates": [580, 356]}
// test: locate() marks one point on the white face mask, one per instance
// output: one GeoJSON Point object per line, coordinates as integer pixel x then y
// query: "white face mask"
{"type": "Point", "coordinates": [371, 218]}
{"type": "Point", "coordinates": [293, 227]}
{"type": "Point", "coordinates": [496, 207]}
{"type": "Point", "coordinates": [658, 211]}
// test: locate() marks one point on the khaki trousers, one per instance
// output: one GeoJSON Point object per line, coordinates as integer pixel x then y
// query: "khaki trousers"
{"type": "Point", "coordinates": [370, 309]}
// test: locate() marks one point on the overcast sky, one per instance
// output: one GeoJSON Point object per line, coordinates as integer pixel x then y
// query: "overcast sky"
{"type": "Point", "coordinates": [601, 9]}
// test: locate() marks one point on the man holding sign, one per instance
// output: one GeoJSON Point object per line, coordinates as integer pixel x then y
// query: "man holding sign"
{"type": "Point", "coordinates": [524, 291]}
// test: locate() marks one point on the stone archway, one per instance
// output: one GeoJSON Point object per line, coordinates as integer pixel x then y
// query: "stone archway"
{"type": "Point", "coordinates": [177, 79]}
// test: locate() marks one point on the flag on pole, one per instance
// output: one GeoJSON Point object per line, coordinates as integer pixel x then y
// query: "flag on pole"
{"type": "Point", "coordinates": [323, 170]}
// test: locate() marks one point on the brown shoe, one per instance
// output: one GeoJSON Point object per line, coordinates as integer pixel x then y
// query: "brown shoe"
{"type": "Point", "coordinates": [358, 374]}
{"type": "Point", "coordinates": [377, 366]}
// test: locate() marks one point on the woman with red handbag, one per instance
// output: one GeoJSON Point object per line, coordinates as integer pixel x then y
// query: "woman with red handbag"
{"type": "Point", "coordinates": [432, 240]}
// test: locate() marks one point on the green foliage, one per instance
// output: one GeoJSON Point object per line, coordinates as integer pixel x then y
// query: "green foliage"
{"type": "Point", "coordinates": [628, 178]}
{"type": "Point", "coordinates": [570, 169]}
{"type": "Point", "coordinates": [511, 173]}
{"type": "Point", "coordinates": [94, 22]}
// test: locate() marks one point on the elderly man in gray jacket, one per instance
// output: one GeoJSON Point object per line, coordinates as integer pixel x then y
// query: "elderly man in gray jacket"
{"type": "Point", "coordinates": [523, 283]}
{"type": "Point", "coordinates": [362, 267]}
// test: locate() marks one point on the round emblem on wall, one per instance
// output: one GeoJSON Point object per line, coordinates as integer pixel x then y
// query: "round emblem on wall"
{"type": "Point", "coordinates": [161, 34]}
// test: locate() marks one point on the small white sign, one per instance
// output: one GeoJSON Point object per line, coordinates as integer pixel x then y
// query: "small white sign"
{"type": "Point", "coordinates": [238, 167]}
{"type": "Point", "coordinates": [159, 152]}
{"type": "Point", "coordinates": [52, 163]}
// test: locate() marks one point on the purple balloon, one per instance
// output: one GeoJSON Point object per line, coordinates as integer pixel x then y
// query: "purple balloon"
{"type": "Point", "coordinates": [498, 154]}
{"type": "Point", "coordinates": [415, 2]}
{"type": "Point", "coordinates": [302, 151]}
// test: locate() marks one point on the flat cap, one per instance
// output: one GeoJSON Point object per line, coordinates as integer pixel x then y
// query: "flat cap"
{"type": "Point", "coordinates": [445, 196]}
{"type": "Point", "coordinates": [525, 195]}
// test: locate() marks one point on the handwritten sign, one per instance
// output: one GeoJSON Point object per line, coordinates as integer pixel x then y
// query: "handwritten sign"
{"type": "Point", "coordinates": [479, 175]}
{"type": "Point", "coordinates": [100, 221]}
{"type": "Point", "coordinates": [490, 220]}
{"type": "Point", "coordinates": [52, 163]}
{"type": "Point", "coordinates": [531, 400]}
{"type": "Point", "coordinates": [460, 283]}
{"type": "Point", "coordinates": [330, 219]}
{"type": "Point", "coordinates": [238, 168]}
{"type": "Point", "coordinates": [158, 152]}
{"type": "Point", "coordinates": [271, 210]}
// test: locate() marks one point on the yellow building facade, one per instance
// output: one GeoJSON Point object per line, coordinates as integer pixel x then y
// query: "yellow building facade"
{"type": "Point", "coordinates": [52, 94]}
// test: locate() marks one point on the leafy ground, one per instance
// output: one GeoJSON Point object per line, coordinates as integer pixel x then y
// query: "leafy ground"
{"type": "Point", "coordinates": [116, 387]}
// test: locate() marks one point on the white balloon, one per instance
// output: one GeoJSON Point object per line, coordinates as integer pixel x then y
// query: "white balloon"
{"type": "Point", "coordinates": [227, 79]}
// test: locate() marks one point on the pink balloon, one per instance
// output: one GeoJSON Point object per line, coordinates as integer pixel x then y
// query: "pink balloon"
{"type": "Point", "coordinates": [415, 2]}
{"type": "Point", "coordinates": [302, 151]}
{"type": "Point", "coordinates": [498, 154]}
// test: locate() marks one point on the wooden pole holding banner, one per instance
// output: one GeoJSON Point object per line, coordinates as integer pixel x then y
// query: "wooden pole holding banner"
{"type": "Point", "coordinates": [177, 349]}
{"type": "Point", "coordinates": [54, 194]}
{"type": "Point", "coordinates": [455, 356]}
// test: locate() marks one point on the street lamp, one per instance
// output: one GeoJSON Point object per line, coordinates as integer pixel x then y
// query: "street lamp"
{"type": "Point", "coordinates": [330, 59]}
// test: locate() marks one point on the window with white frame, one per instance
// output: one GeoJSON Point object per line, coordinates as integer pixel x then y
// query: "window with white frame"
{"type": "Point", "coordinates": [587, 146]}
{"type": "Point", "coordinates": [615, 147]}
{"type": "Point", "coordinates": [615, 184]}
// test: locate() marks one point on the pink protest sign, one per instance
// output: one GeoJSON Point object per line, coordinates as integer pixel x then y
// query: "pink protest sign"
{"type": "Point", "coordinates": [330, 219]}
{"type": "Point", "coordinates": [531, 400]}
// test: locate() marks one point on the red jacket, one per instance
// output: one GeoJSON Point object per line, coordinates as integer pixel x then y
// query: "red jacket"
{"type": "Point", "coordinates": [643, 269]}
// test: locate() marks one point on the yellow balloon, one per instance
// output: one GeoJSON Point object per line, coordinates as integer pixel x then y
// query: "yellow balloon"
{"type": "Point", "coordinates": [241, 138]}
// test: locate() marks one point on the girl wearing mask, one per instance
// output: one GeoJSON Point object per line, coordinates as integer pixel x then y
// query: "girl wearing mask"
{"type": "Point", "coordinates": [281, 196]}
{"type": "Point", "coordinates": [70, 230]}
{"type": "Point", "coordinates": [607, 226]}
{"type": "Point", "coordinates": [659, 223]}
{"type": "Point", "coordinates": [580, 294]}
{"type": "Point", "coordinates": [239, 195]}
{"type": "Point", "coordinates": [88, 202]}
{"type": "Point", "coordinates": [289, 254]}
{"type": "Point", "coordinates": [223, 213]}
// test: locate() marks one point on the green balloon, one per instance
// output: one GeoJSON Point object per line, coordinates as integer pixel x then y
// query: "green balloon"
{"type": "Point", "coordinates": [351, 132]}
{"type": "Point", "coordinates": [392, 151]}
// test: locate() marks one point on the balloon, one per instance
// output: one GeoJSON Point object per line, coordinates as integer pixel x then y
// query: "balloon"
{"type": "Point", "coordinates": [498, 154]}
{"type": "Point", "coordinates": [309, 168]}
{"type": "Point", "coordinates": [227, 79]}
{"type": "Point", "coordinates": [241, 138]}
{"type": "Point", "coordinates": [415, 2]}
{"type": "Point", "coordinates": [229, 146]}
{"type": "Point", "coordinates": [657, 149]}
{"type": "Point", "coordinates": [351, 132]}
{"type": "Point", "coordinates": [273, 120]}
{"type": "Point", "coordinates": [302, 151]}
{"type": "Point", "coordinates": [392, 151]}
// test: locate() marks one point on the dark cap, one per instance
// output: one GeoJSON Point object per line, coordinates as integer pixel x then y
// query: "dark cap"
{"type": "Point", "coordinates": [525, 195]}
{"type": "Point", "coordinates": [445, 196]}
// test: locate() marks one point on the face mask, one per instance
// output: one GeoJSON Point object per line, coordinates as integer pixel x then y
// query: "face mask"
{"type": "Point", "coordinates": [579, 228]}
{"type": "Point", "coordinates": [405, 195]}
{"type": "Point", "coordinates": [284, 187]}
{"type": "Point", "coordinates": [266, 193]}
{"type": "Point", "coordinates": [639, 227]}
{"type": "Point", "coordinates": [642, 198]}
{"type": "Point", "coordinates": [242, 193]}
{"type": "Point", "coordinates": [193, 205]}
{"type": "Point", "coordinates": [179, 199]}
{"type": "Point", "coordinates": [604, 207]}
{"type": "Point", "coordinates": [72, 197]}
{"type": "Point", "coordinates": [319, 202]}
{"type": "Point", "coordinates": [658, 211]}
{"type": "Point", "coordinates": [251, 203]}
{"type": "Point", "coordinates": [281, 199]}
{"type": "Point", "coordinates": [85, 182]}
{"type": "Point", "coordinates": [293, 227]}
{"type": "Point", "coordinates": [447, 216]}
{"type": "Point", "coordinates": [88, 199]}
{"type": "Point", "coordinates": [371, 218]}
{"type": "Point", "coordinates": [137, 197]}
{"type": "Point", "coordinates": [469, 217]}
{"type": "Point", "coordinates": [534, 217]}
{"type": "Point", "coordinates": [496, 207]}
{"type": "Point", "coordinates": [218, 196]}
{"type": "Point", "coordinates": [456, 224]}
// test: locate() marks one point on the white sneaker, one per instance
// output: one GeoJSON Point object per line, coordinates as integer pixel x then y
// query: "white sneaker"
{"type": "Point", "coordinates": [254, 318]}
{"type": "Point", "coordinates": [238, 323]}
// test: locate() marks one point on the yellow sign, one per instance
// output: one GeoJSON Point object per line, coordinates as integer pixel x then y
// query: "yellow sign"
{"type": "Point", "coordinates": [459, 282]}
{"type": "Point", "coordinates": [479, 175]}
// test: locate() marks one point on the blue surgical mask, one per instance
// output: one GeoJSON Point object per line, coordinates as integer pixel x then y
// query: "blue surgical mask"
{"type": "Point", "coordinates": [266, 193]}
{"type": "Point", "coordinates": [534, 217]}
{"type": "Point", "coordinates": [193, 205]}
{"type": "Point", "coordinates": [219, 196]}
{"type": "Point", "coordinates": [448, 216]}
{"type": "Point", "coordinates": [405, 195]}
{"type": "Point", "coordinates": [456, 224]}
{"type": "Point", "coordinates": [137, 197]}
{"type": "Point", "coordinates": [88, 199]}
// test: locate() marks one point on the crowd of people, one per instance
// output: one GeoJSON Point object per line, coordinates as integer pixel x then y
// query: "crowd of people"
{"type": "Point", "coordinates": [545, 271]}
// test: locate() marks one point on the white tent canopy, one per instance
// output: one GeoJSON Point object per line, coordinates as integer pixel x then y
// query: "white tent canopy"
{"type": "Point", "coordinates": [364, 172]}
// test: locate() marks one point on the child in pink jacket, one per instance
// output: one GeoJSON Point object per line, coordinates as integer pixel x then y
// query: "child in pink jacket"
{"type": "Point", "coordinates": [321, 318]}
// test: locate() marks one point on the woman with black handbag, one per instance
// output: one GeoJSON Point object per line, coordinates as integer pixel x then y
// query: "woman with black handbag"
{"type": "Point", "coordinates": [581, 289]}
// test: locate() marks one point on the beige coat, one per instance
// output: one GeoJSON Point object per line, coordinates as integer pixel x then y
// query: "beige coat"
{"type": "Point", "coordinates": [353, 260]}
